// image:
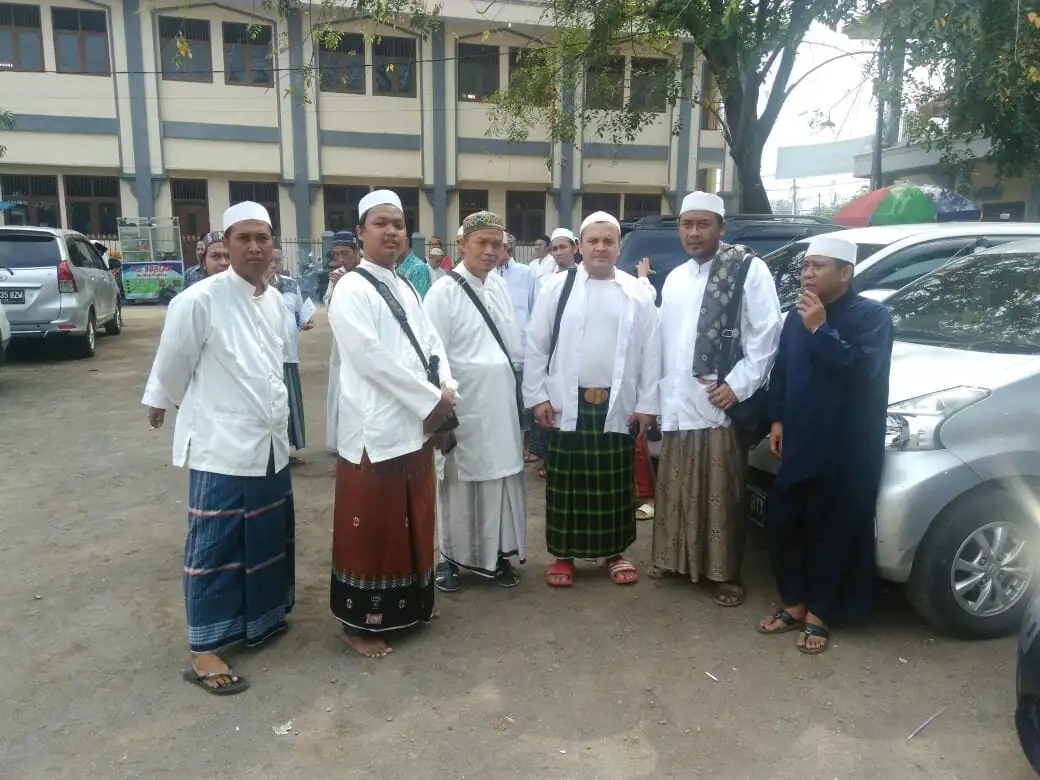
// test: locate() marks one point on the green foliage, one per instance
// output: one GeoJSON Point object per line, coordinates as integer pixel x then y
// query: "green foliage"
{"type": "Point", "coordinates": [6, 123]}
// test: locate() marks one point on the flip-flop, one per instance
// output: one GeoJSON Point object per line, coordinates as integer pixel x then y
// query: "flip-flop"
{"type": "Point", "coordinates": [645, 512]}
{"type": "Point", "coordinates": [560, 574]}
{"type": "Point", "coordinates": [811, 629]}
{"type": "Point", "coordinates": [736, 590]}
{"type": "Point", "coordinates": [790, 623]}
{"type": "Point", "coordinates": [236, 685]}
{"type": "Point", "coordinates": [446, 577]}
{"type": "Point", "coordinates": [618, 567]}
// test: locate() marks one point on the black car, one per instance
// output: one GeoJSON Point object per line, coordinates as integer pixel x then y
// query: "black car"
{"type": "Point", "coordinates": [1027, 713]}
{"type": "Point", "coordinates": [658, 239]}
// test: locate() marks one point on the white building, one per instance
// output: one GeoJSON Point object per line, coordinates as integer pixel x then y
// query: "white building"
{"type": "Point", "coordinates": [112, 120]}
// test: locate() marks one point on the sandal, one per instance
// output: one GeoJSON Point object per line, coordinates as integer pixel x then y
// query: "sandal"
{"type": "Point", "coordinates": [621, 571]}
{"type": "Point", "coordinates": [234, 685]}
{"type": "Point", "coordinates": [734, 590]}
{"type": "Point", "coordinates": [543, 472]}
{"type": "Point", "coordinates": [811, 629]}
{"type": "Point", "coordinates": [446, 577]}
{"type": "Point", "coordinates": [505, 575]}
{"type": "Point", "coordinates": [530, 458]}
{"type": "Point", "coordinates": [560, 574]}
{"type": "Point", "coordinates": [790, 623]}
{"type": "Point", "coordinates": [645, 512]}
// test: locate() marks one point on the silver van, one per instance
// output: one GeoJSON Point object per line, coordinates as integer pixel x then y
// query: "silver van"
{"type": "Point", "coordinates": [55, 285]}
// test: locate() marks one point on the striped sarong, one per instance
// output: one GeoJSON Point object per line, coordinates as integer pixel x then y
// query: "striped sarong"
{"type": "Point", "coordinates": [297, 427]}
{"type": "Point", "coordinates": [239, 558]}
{"type": "Point", "coordinates": [590, 507]}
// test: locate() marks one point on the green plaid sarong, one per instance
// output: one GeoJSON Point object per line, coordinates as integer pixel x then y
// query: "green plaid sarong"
{"type": "Point", "coordinates": [590, 501]}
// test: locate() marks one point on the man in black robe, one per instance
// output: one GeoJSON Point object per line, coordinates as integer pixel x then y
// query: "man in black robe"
{"type": "Point", "coordinates": [828, 399]}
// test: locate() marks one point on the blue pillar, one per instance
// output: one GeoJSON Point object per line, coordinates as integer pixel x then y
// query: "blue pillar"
{"type": "Point", "coordinates": [440, 133]}
{"type": "Point", "coordinates": [300, 192]}
{"type": "Point", "coordinates": [142, 180]}
{"type": "Point", "coordinates": [682, 170]}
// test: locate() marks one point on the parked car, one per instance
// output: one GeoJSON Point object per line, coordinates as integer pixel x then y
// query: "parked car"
{"type": "Point", "coordinates": [658, 239]}
{"type": "Point", "coordinates": [892, 256]}
{"type": "Point", "coordinates": [56, 286]}
{"type": "Point", "coordinates": [5, 326]}
{"type": "Point", "coordinates": [958, 515]}
{"type": "Point", "coordinates": [1027, 688]}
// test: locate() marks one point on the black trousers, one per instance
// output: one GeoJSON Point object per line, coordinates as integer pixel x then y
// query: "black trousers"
{"type": "Point", "coordinates": [822, 548]}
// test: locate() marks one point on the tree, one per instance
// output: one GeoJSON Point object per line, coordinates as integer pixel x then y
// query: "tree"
{"type": "Point", "coordinates": [6, 123]}
{"type": "Point", "coordinates": [744, 42]}
{"type": "Point", "coordinates": [972, 71]}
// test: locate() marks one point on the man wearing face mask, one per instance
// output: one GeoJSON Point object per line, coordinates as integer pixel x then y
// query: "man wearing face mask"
{"type": "Point", "coordinates": [701, 510]}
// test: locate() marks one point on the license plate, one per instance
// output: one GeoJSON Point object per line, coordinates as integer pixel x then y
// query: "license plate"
{"type": "Point", "coordinates": [12, 296]}
{"type": "Point", "coordinates": [757, 506]}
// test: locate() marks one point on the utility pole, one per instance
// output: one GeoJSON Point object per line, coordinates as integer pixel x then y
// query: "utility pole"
{"type": "Point", "coordinates": [879, 124]}
{"type": "Point", "coordinates": [794, 197]}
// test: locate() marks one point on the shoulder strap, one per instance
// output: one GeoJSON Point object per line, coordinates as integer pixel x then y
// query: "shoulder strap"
{"type": "Point", "coordinates": [483, 312]}
{"type": "Point", "coordinates": [561, 304]}
{"type": "Point", "coordinates": [731, 338]}
{"type": "Point", "coordinates": [397, 310]}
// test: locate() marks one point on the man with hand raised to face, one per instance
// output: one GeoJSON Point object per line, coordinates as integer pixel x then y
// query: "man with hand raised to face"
{"type": "Point", "coordinates": [390, 413]}
{"type": "Point", "coordinates": [595, 385]}
{"type": "Point", "coordinates": [828, 402]}
{"type": "Point", "coordinates": [482, 517]}
{"type": "Point", "coordinates": [232, 434]}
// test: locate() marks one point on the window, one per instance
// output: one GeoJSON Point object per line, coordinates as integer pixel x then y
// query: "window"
{"type": "Point", "coordinates": [264, 193]}
{"type": "Point", "coordinates": [410, 201]}
{"type": "Point", "coordinates": [34, 200]}
{"type": "Point", "coordinates": [472, 201]}
{"type": "Point", "coordinates": [393, 67]}
{"type": "Point", "coordinates": [92, 204]}
{"type": "Point", "coordinates": [605, 85]}
{"type": "Point", "coordinates": [526, 73]}
{"type": "Point", "coordinates": [185, 47]}
{"type": "Point", "coordinates": [477, 67]}
{"type": "Point", "coordinates": [650, 84]}
{"type": "Point", "coordinates": [785, 264]}
{"type": "Point", "coordinates": [1004, 212]}
{"type": "Point", "coordinates": [904, 266]}
{"type": "Point", "coordinates": [21, 43]}
{"type": "Point", "coordinates": [247, 54]}
{"type": "Point", "coordinates": [341, 206]}
{"type": "Point", "coordinates": [639, 206]}
{"type": "Point", "coordinates": [609, 202]}
{"type": "Point", "coordinates": [191, 206]}
{"type": "Point", "coordinates": [525, 215]}
{"type": "Point", "coordinates": [706, 179]}
{"type": "Point", "coordinates": [81, 41]}
{"type": "Point", "coordinates": [711, 106]}
{"type": "Point", "coordinates": [342, 64]}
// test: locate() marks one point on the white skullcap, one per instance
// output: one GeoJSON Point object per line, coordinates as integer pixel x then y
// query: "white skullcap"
{"type": "Point", "coordinates": [459, 234]}
{"type": "Point", "coordinates": [599, 216]}
{"type": "Point", "coordinates": [563, 233]}
{"type": "Point", "coordinates": [246, 210]}
{"type": "Point", "coordinates": [829, 245]}
{"type": "Point", "coordinates": [703, 201]}
{"type": "Point", "coordinates": [378, 198]}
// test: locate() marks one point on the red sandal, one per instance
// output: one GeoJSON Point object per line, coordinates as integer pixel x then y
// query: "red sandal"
{"type": "Point", "coordinates": [621, 571]}
{"type": "Point", "coordinates": [560, 574]}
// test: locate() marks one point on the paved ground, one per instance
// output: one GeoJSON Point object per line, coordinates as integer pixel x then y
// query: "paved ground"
{"type": "Point", "coordinates": [595, 682]}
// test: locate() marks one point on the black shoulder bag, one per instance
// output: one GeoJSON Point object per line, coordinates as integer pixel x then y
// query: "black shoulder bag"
{"type": "Point", "coordinates": [748, 417]}
{"type": "Point", "coordinates": [498, 338]}
{"type": "Point", "coordinates": [431, 366]}
{"type": "Point", "coordinates": [561, 304]}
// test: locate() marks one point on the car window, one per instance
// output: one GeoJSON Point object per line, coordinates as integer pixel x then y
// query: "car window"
{"type": "Point", "coordinates": [78, 256]}
{"type": "Point", "coordinates": [902, 267]}
{"type": "Point", "coordinates": [93, 256]}
{"type": "Point", "coordinates": [786, 267]}
{"type": "Point", "coordinates": [661, 246]}
{"type": "Point", "coordinates": [28, 250]}
{"type": "Point", "coordinates": [984, 302]}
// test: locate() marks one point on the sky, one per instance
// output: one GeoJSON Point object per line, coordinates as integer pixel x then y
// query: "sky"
{"type": "Point", "coordinates": [839, 90]}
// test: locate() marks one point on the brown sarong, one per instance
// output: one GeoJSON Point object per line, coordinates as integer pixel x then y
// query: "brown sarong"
{"type": "Point", "coordinates": [700, 521]}
{"type": "Point", "coordinates": [382, 542]}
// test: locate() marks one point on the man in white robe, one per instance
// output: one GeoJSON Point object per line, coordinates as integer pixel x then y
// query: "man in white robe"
{"type": "Point", "coordinates": [343, 258]}
{"type": "Point", "coordinates": [481, 500]}
{"type": "Point", "coordinates": [544, 264]}
{"type": "Point", "coordinates": [700, 521]}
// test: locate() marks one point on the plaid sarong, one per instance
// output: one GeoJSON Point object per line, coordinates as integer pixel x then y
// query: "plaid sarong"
{"type": "Point", "coordinates": [239, 558]}
{"type": "Point", "coordinates": [590, 507]}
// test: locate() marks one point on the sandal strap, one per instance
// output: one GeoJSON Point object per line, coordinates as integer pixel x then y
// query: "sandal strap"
{"type": "Point", "coordinates": [786, 618]}
{"type": "Point", "coordinates": [620, 564]}
{"type": "Point", "coordinates": [811, 629]}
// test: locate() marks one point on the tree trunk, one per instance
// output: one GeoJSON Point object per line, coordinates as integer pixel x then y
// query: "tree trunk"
{"type": "Point", "coordinates": [747, 158]}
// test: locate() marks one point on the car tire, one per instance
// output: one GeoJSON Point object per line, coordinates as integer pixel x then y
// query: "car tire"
{"type": "Point", "coordinates": [931, 585]}
{"type": "Point", "coordinates": [86, 345]}
{"type": "Point", "coordinates": [115, 325]}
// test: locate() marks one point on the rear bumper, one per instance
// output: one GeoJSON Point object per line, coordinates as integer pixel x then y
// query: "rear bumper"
{"type": "Point", "coordinates": [46, 330]}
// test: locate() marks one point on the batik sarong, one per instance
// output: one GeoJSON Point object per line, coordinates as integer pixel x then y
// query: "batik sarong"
{"type": "Point", "coordinates": [700, 520]}
{"type": "Point", "coordinates": [382, 542]}
{"type": "Point", "coordinates": [239, 558]}
{"type": "Point", "coordinates": [297, 427]}
{"type": "Point", "coordinates": [590, 507]}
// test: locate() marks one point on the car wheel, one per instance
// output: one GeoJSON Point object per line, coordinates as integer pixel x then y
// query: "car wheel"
{"type": "Point", "coordinates": [86, 345]}
{"type": "Point", "coordinates": [975, 572]}
{"type": "Point", "coordinates": [115, 325]}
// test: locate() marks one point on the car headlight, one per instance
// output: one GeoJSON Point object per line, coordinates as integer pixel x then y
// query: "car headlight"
{"type": "Point", "coordinates": [915, 424]}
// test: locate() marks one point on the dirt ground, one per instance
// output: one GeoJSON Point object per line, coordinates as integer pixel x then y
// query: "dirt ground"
{"type": "Point", "coordinates": [597, 681]}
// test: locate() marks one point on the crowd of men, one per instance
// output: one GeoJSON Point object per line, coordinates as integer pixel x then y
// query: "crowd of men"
{"type": "Point", "coordinates": [435, 373]}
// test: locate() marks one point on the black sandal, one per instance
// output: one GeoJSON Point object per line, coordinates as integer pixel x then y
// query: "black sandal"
{"type": "Point", "coordinates": [505, 575]}
{"type": "Point", "coordinates": [446, 577]}
{"type": "Point", "coordinates": [235, 684]}
{"type": "Point", "coordinates": [811, 629]}
{"type": "Point", "coordinates": [735, 590]}
{"type": "Point", "coordinates": [790, 623]}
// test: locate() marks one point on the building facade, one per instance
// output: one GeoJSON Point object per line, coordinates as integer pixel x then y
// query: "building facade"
{"type": "Point", "coordinates": [128, 109]}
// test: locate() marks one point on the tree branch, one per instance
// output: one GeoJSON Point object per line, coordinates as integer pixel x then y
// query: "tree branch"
{"type": "Point", "coordinates": [812, 70]}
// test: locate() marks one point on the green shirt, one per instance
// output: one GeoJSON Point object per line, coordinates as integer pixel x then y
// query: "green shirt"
{"type": "Point", "coordinates": [417, 272]}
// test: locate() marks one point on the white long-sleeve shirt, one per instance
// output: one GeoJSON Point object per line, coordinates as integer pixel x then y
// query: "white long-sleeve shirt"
{"type": "Point", "coordinates": [636, 362]}
{"type": "Point", "coordinates": [684, 399]}
{"type": "Point", "coordinates": [384, 393]}
{"type": "Point", "coordinates": [543, 266]}
{"type": "Point", "coordinates": [522, 284]}
{"type": "Point", "coordinates": [220, 362]}
{"type": "Point", "coordinates": [490, 442]}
